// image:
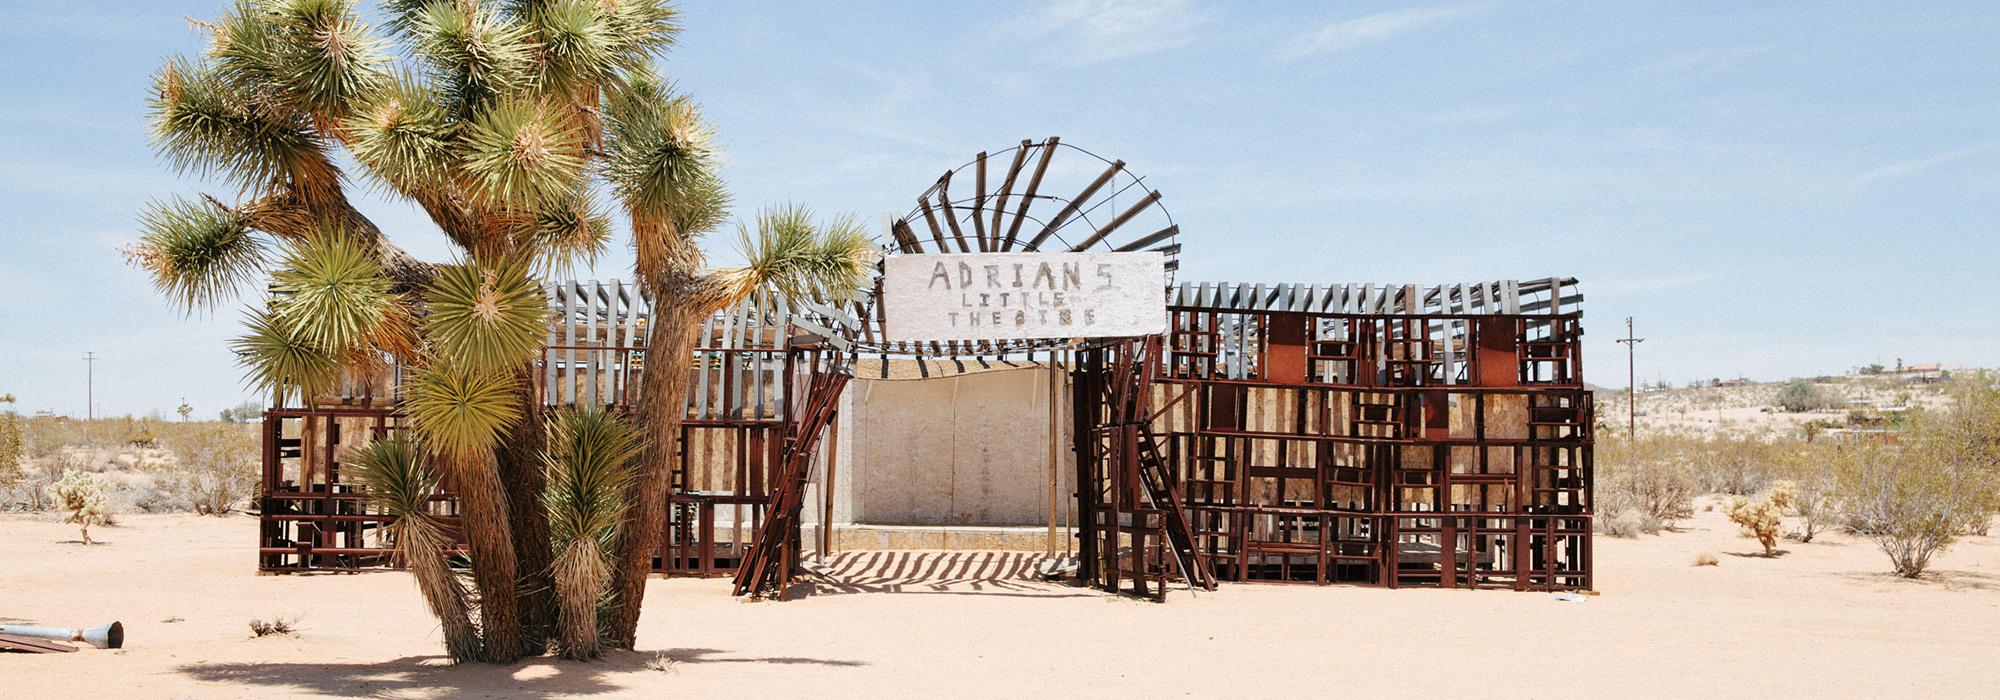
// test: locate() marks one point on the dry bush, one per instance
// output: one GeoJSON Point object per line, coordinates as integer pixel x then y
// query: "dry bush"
{"type": "Point", "coordinates": [1734, 464]}
{"type": "Point", "coordinates": [1760, 518]}
{"type": "Point", "coordinates": [1914, 499]}
{"type": "Point", "coordinates": [1706, 559]}
{"type": "Point", "coordinates": [281, 626]}
{"type": "Point", "coordinates": [11, 449]}
{"type": "Point", "coordinates": [1627, 522]}
{"type": "Point", "coordinates": [215, 466]}
{"type": "Point", "coordinates": [35, 492]}
{"type": "Point", "coordinates": [1807, 489]}
{"type": "Point", "coordinates": [1645, 484]}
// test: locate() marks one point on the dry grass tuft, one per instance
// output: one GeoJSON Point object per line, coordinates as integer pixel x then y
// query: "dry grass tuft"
{"type": "Point", "coordinates": [277, 626]}
{"type": "Point", "coordinates": [1706, 559]}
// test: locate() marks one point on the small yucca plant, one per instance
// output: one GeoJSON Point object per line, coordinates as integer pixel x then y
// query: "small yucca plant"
{"type": "Point", "coordinates": [400, 481]}
{"type": "Point", "coordinates": [590, 458]}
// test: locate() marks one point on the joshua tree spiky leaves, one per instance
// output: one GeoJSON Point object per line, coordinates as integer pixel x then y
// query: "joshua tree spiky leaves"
{"type": "Point", "coordinates": [500, 120]}
{"type": "Point", "coordinates": [591, 459]}
{"type": "Point", "coordinates": [787, 253]}
{"type": "Point", "coordinates": [401, 481]}
{"type": "Point", "coordinates": [487, 120]}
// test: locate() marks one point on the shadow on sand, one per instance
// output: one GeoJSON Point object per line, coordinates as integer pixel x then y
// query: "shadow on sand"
{"type": "Point", "coordinates": [948, 573]}
{"type": "Point", "coordinates": [537, 676]}
{"type": "Point", "coordinates": [1942, 578]}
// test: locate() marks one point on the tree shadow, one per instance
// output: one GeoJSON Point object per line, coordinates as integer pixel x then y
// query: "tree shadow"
{"type": "Point", "coordinates": [531, 677]}
{"type": "Point", "coordinates": [1947, 579]}
{"type": "Point", "coordinates": [92, 543]}
{"type": "Point", "coordinates": [988, 573]}
{"type": "Point", "coordinates": [1761, 555]}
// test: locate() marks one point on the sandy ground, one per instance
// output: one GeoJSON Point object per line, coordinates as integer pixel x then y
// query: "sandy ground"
{"type": "Point", "coordinates": [1819, 621]}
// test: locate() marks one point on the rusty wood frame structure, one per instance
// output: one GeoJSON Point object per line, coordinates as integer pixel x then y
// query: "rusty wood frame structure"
{"type": "Point", "coordinates": [1387, 435]}
{"type": "Point", "coordinates": [756, 374]}
{"type": "Point", "coordinates": [1376, 435]}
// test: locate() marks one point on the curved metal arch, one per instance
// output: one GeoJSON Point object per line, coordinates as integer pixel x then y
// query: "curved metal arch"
{"type": "Point", "coordinates": [1011, 209]}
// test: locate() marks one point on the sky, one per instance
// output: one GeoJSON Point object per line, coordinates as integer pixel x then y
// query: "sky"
{"type": "Point", "coordinates": [1771, 189]}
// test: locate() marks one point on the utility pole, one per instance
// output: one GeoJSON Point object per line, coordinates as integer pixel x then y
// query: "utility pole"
{"type": "Point", "coordinates": [1631, 341]}
{"type": "Point", "coordinates": [90, 385]}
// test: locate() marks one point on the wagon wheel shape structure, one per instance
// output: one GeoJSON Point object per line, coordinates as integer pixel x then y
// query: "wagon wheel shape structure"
{"type": "Point", "coordinates": [1038, 196]}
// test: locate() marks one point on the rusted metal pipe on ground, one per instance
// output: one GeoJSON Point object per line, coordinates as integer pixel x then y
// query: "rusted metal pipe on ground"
{"type": "Point", "coordinates": [111, 636]}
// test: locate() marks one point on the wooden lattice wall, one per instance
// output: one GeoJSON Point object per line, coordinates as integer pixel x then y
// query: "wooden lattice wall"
{"type": "Point", "coordinates": [1401, 437]}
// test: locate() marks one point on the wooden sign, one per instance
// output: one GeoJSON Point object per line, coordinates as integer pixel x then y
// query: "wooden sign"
{"type": "Point", "coordinates": [1023, 296]}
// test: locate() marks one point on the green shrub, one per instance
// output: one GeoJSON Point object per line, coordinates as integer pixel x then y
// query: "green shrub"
{"type": "Point", "coordinates": [1799, 396]}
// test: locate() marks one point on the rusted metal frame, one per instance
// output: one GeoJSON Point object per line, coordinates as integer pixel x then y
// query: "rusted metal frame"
{"type": "Point", "coordinates": [1028, 195]}
{"type": "Point", "coordinates": [1151, 198]}
{"type": "Point", "coordinates": [1086, 400]}
{"type": "Point", "coordinates": [979, 207]}
{"type": "Point", "coordinates": [930, 220]}
{"type": "Point", "coordinates": [950, 215]}
{"type": "Point", "coordinates": [906, 240]}
{"type": "Point", "coordinates": [1151, 238]}
{"type": "Point", "coordinates": [1076, 204]}
{"type": "Point", "coordinates": [763, 567]}
{"type": "Point", "coordinates": [1007, 185]}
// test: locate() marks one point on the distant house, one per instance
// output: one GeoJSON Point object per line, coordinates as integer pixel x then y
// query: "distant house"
{"type": "Point", "coordinates": [1922, 373]}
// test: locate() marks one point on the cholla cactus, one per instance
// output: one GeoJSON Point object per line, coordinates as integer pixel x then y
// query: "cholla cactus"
{"type": "Point", "coordinates": [1759, 518]}
{"type": "Point", "coordinates": [82, 494]}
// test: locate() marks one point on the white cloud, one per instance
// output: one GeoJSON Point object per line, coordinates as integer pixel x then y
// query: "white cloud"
{"type": "Point", "coordinates": [1105, 30]}
{"type": "Point", "coordinates": [1372, 29]}
{"type": "Point", "coordinates": [1902, 169]}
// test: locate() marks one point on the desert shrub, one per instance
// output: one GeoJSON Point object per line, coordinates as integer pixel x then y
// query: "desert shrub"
{"type": "Point", "coordinates": [1800, 395]}
{"type": "Point", "coordinates": [1807, 489]}
{"type": "Point", "coordinates": [1733, 464]}
{"type": "Point", "coordinates": [44, 436]}
{"type": "Point", "coordinates": [35, 492]}
{"type": "Point", "coordinates": [1651, 477]}
{"type": "Point", "coordinates": [1812, 428]}
{"type": "Point", "coordinates": [1914, 499]}
{"type": "Point", "coordinates": [11, 449]}
{"type": "Point", "coordinates": [142, 434]}
{"type": "Point", "coordinates": [1627, 522]}
{"type": "Point", "coordinates": [278, 626]}
{"type": "Point", "coordinates": [83, 495]}
{"type": "Point", "coordinates": [215, 467]}
{"type": "Point", "coordinates": [1759, 518]}
{"type": "Point", "coordinates": [1706, 559]}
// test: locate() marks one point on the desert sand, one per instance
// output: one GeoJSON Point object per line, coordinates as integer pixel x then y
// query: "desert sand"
{"type": "Point", "coordinates": [1822, 621]}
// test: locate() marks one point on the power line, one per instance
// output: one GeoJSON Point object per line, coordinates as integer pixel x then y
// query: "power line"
{"type": "Point", "coordinates": [1631, 341]}
{"type": "Point", "coordinates": [90, 385]}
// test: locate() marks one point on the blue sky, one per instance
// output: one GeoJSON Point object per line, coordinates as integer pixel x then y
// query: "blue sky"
{"type": "Point", "coordinates": [1773, 189]}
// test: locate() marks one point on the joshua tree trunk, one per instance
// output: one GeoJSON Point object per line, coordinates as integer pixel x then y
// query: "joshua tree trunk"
{"type": "Point", "coordinates": [423, 548]}
{"type": "Point", "coordinates": [521, 472]}
{"type": "Point", "coordinates": [484, 504]}
{"type": "Point", "coordinates": [582, 577]}
{"type": "Point", "coordinates": [662, 403]}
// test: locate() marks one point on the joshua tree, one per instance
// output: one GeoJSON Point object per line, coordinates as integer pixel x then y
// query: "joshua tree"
{"type": "Point", "coordinates": [786, 253]}
{"type": "Point", "coordinates": [502, 121]}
